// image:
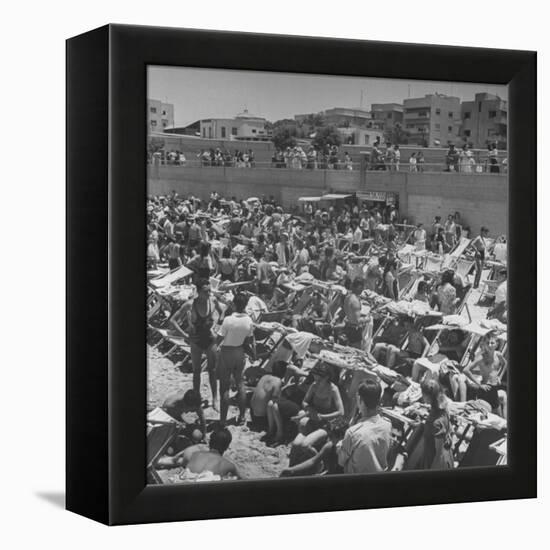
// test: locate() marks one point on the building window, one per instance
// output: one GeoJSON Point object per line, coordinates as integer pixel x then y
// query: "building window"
{"type": "Point", "coordinates": [204, 132]}
{"type": "Point", "coordinates": [210, 132]}
{"type": "Point", "coordinates": [467, 133]}
{"type": "Point", "coordinates": [450, 128]}
{"type": "Point", "coordinates": [163, 113]}
{"type": "Point", "coordinates": [164, 123]}
{"type": "Point", "coordinates": [233, 131]}
{"type": "Point", "coordinates": [367, 139]}
{"type": "Point", "coordinates": [154, 123]}
{"type": "Point", "coordinates": [467, 115]}
{"type": "Point", "coordinates": [450, 114]}
{"type": "Point", "coordinates": [438, 111]}
{"type": "Point", "coordinates": [253, 131]}
{"type": "Point", "coordinates": [492, 114]}
{"type": "Point", "coordinates": [422, 113]}
{"type": "Point", "coordinates": [389, 115]}
{"type": "Point", "coordinates": [153, 109]}
{"type": "Point", "coordinates": [223, 131]}
{"type": "Point", "coordinates": [438, 126]}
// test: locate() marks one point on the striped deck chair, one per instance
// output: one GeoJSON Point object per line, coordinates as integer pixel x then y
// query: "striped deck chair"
{"type": "Point", "coordinates": [154, 304]}
{"type": "Point", "coordinates": [463, 267]}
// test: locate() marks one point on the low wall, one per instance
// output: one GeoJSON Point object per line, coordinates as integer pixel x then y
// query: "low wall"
{"type": "Point", "coordinates": [481, 199]}
{"type": "Point", "coordinates": [263, 150]}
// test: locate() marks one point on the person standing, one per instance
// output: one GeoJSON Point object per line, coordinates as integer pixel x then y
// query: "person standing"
{"type": "Point", "coordinates": [420, 161]}
{"type": "Point", "coordinates": [353, 327]}
{"type": "Point", "coordinates": [450, 231]}
{"type": "Point", "coordinates": [201, 315]}
{"type": "Point", "coordinates": [419, 237]}
{"type": "Point", "coordinates": [412, 163]}
{"type": "Point", "coordinates": [364, 449]}
{"type": "Point", "coordinates": [493, 159]}
{"type": "Point", "coordinates": [236, 331]}
{"type": "Point", "coordinates": [437, 429]}
{"type": "Point", "coordinates": [479, 244]}
{"type": "Point", "coordinates": [396, 158]}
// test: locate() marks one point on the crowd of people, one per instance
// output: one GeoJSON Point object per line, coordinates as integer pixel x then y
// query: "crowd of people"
{"type": "Point", "coordinates": [329, 157]}
{"type": "Point", "coordinates": [463, 160]}
{"type": "Point", "coordinates": [298, 158]}
{"type": "Point", "coordinates": [333, 277]}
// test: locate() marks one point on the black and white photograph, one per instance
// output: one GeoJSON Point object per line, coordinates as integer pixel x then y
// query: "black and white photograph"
{"type": "Point", "coordinates": [326, 275]}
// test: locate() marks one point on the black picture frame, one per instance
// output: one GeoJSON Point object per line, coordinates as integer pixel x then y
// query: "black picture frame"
{"type": "Point", "coordinates": [106, 328]}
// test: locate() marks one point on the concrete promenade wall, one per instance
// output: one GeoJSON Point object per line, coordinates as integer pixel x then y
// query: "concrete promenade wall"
{"type": "Point", "coordinates": [481, 199]}
{"type": "Point", "coordinates": [263, 150]}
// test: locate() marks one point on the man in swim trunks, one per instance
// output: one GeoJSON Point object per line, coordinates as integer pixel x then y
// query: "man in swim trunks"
{"type": "Point", "coordinates": [353, 322]}
{"type": "Point", "coordinates": [490, 363]}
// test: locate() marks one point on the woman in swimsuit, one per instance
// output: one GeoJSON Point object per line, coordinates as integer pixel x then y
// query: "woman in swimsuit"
{"type": "Point", "coordinates": [322, 401]}
{"type": "Point", "coordinates": [202, 264]}
{"type": "Point", "coordinates": [201, 313]}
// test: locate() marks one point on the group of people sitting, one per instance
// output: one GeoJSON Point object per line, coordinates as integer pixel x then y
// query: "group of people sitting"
{"type": "Point", "coordinates": [331, 427]}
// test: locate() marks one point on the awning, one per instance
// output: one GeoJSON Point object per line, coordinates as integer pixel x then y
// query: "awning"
{"type": "Point", "coordinates": [335, 196]}
{"type": "Point", "coordinates": [309, 199]}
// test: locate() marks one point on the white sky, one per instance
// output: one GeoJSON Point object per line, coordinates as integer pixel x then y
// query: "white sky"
{"type": "Point", "coordinates": [222, 93]}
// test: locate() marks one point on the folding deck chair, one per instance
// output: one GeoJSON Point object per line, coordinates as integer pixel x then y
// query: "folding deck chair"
{"type": "Point", "coordinates": [433, 263]}
{"type": "Point", "coordinates": [159, 438]}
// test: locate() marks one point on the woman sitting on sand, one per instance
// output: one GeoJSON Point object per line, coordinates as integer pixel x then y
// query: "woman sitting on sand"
{"type": "Point", "coordinates": [322, 401]}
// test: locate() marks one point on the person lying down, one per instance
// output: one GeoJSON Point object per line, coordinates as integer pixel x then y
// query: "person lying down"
{"type": "Point", "coordinates": [201, 461]}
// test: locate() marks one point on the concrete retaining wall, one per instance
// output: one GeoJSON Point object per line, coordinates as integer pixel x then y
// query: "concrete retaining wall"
{"type": "Point", "coordinates": [481, 199]}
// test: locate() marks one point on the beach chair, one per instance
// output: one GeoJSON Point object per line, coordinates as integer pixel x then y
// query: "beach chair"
{"type": "Point", "coordinates": [488, 289]}
{"type": "Point", "coordinates": [273, 316]}
{"type": "Point", "coordinates": [178, 274]}
{"type": "Point", "coordinates": [433, 263]}
{"type": "Point", "coordinates": [159, 438]}
{"type": "Point", "coordinates": [462, 267]}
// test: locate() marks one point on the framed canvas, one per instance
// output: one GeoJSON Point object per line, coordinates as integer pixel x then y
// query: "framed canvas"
{"type": "Point", "coordinates": [309, 140]}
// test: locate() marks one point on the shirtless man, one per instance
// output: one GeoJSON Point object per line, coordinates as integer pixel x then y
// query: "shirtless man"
{"type": "Point", "coordinates": [270, 410]}
{"type": "Point", "coordinates": [488, 365]}
{"type": "Point", "coordinates": [181, 402]}
{"type": "Point", "coordinates": [353, 326]}
{"type": "Point", "coordinates": [268, 387]}
{"type": "Point", "coordinates": [198, 459]}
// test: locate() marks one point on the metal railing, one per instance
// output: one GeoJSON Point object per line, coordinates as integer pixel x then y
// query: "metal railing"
{"type": "Point", "coordinates": [482, 167]}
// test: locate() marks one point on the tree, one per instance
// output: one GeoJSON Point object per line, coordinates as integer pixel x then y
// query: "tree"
{"type": "Point", "coordinates": [396, 135]}
{"type": "Point", "coordinates": [328, 135]}
{"type": "Point", "coordinates": [284, 136]}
